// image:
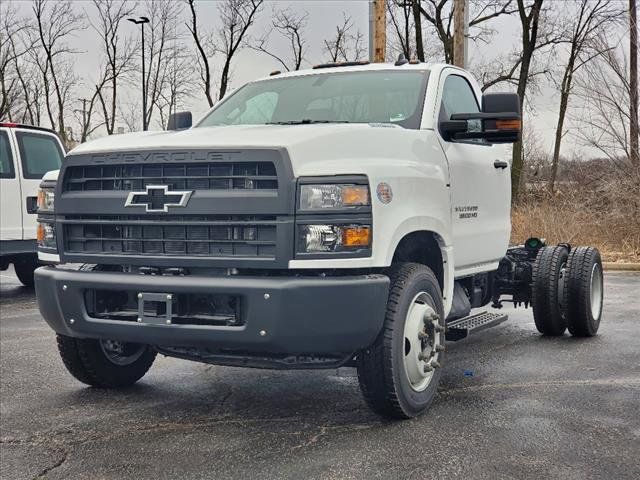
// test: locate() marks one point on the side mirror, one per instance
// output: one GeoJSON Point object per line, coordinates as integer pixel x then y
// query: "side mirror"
{"type": "Point", "coordinates": [179, 121]}
{"type": "Point", "coordinates": [500, 117]}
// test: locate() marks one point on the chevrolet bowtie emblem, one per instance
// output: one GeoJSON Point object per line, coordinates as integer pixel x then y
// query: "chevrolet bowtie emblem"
{"type": "Point", "coordinates": [158, 198]}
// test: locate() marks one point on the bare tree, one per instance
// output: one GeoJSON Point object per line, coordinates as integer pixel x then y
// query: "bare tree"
{"type": "Point", "coordinates": [401, 20]}
{"type": "Point", "coordinates": [11, 28]}
{"type": "Point", "coordinates": [84, 116]}
{"type": "Point", "coordinates": [604, 91]}
{"type": "Point", "coordinates": [118, 52]}
{"type": "Point", "coordinates": [160, 44]}
{"type": "Point", "coordinates": [439, 15]}
{"type": "Point", "coordinates": [204, 52]}
{"type": "Point", "coordinates": [634, 130]}
{"type": "Point", "coordinates": [55, 23]}
{"type": "Point", "coordinates": [591, 18]}
{"type": "Point", "coordinates": [237, 17]}
{"type": "Point", "coordinates": [346, 45]}
{"type": "Point", "coordinates": [291, 26]}
{"type": "Point", "coordinates": [530, 21]}
{"type": "Point", "coordinates": [178, 84]}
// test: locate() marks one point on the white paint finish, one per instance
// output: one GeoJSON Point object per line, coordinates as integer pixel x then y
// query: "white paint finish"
{"type": "Point", "coordinates": [477, 183]}
{"type": "Point", "coordinates": [10, 196]}
{"type": "Point", "coordinates": [16, 222]}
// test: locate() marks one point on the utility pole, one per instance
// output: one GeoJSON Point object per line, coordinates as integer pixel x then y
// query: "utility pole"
{"type": "Point", "coordinates": [633, 85]}
{"type": "Point", "coordinates": [460, 33]}
{"type": "Point", "coordinates": [377, 30]}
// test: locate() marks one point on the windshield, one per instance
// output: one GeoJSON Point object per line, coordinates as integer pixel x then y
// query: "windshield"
{"type": "Point", "coordinates": [382, 96]}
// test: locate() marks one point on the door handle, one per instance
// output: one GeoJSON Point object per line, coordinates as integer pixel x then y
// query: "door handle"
{"type": "Point", "coordinates": [500, 164]}
{"type": "Point", "coordinates": [32, 205]}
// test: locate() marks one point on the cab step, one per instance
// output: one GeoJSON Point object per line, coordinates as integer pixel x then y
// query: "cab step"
{"type": "Point", "coordinates": [462, 328]}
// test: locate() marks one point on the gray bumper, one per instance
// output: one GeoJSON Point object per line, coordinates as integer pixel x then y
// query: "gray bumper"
{"type": "Point", "coordinates": [302, 315]}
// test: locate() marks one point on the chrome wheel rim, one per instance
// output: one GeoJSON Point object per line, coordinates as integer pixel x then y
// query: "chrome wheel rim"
{"type": "Point", "coordinates": [596, 291]}
{"type": "Point", "coordinates": [422, 342]}
{"type": "Point", "coordinates": [121, 353]}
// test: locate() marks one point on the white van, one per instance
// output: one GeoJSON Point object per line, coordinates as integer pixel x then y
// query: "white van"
{"type": "Point", "coordinates": [26, 154]}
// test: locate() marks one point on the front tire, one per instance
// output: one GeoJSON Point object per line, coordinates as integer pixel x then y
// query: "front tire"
{"type": "Point", "coordinates": [24, 272]}
{"type": "Point", "coordinates": [400, 372]}
{"type": "Point", "coordinates": [105, 363]}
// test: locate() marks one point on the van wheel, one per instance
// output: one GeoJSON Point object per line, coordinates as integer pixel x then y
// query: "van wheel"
{"type": "Point", "coordinates": [583, 291]}
{"type": "Point", "coordinates": [24, 271]}
{"type": "Point", "coordinates": [400, 372]}
{"type": "Point", "coordinates": [105, 363]}
{"type": "Point", "coordinates": [547, 292]}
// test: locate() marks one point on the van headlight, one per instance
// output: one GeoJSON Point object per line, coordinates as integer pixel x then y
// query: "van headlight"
{"type": "Point", "coordinates": [46, 199]}
{"type": "Point", "coordinates": [46, 235]}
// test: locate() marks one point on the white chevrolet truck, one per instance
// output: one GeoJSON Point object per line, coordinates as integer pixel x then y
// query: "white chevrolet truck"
{"type": "Point", "coordinates": [350, 214]}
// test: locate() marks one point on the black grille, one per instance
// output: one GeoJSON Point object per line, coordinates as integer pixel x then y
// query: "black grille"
{"type": "Point", "coordinates": [191, 176]}
{"type": "Point", "coordinates": [177, 235]}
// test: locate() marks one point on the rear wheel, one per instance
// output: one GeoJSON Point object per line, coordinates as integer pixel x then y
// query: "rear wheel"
{"type": "Point", "coordinates": [583, 291]}
{"type": "Point", "coordinates": [105, 363]}
{"type": "Point", "coordinates": [400, 372]}
{"type": "Point", "coordinates": [547, 292]}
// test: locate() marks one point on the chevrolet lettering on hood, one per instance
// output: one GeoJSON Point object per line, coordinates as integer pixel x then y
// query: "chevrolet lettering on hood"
{"type": "Point", "coordinates": [158, 198]}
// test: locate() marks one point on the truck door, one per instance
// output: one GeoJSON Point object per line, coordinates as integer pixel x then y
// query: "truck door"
{"type": "Point", "coordinates": [39, 152]}
{"type": "Point", "coordinates": [480, 184]}
{"type": "Point", "coordinates": [11, 214]}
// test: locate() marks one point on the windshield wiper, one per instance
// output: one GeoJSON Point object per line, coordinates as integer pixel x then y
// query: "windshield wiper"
{"type": "Point", "coordinates": [305, 121]}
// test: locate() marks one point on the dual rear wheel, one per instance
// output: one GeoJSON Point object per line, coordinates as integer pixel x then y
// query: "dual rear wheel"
{"type": "Point", "coordinates": [567, 291]}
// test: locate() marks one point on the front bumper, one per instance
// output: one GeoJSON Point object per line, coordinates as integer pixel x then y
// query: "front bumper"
{"type": "Point", "coordinates": [332, 316]}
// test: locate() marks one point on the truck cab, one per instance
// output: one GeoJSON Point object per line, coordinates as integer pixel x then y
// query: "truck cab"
{"type": "Point", "coordinates": [350, 214]}
{"type": "Point", "coordinates": [26, 154]}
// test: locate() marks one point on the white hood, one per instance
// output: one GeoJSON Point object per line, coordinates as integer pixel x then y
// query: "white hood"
{"type": "Point", "coordinates": [323, 149]}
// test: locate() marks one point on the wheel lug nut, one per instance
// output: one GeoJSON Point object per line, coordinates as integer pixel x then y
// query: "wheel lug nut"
{"type": "Point", "coordinates": [438, 328]}
{"type": "Point", "coordinates": [435, 364]}
{"type": "Point", "coordinates": [422, 356]}
{"type": "Point", "coordinates": [427, 368]}
{"type": "Point", "coordinates": [440, 348]}
{"type": "Point", "coordinates": [422, 335]}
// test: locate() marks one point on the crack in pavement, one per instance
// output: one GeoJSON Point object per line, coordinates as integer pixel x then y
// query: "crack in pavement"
{"type": "Point", "coordinates": [325, 429]}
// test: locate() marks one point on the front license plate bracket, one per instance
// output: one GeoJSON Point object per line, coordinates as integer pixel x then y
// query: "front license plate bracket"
{"type": "Point", "coordinates": [155, 308]}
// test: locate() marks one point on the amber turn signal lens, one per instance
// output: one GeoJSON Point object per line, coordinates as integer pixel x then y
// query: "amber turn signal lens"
{"type": "Point", "coordinates": [40, 202]}
{"type": "Point", "coordinates": [508, 124]}
{"type": "Point", "coordinates": [356, 236]}
{"type": "Point", "coordinates": [40, 233]}
{"type": "Point", "coordinates": [355, 195]}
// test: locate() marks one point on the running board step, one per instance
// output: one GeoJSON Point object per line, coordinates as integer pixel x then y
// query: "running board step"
{"type": "Point", "coordinates": [462, 328]}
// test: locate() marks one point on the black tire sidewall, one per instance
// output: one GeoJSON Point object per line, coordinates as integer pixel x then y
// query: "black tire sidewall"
{"type": "Point", "coordinates": [104, 372]}
{"type": "Point", "coordinates": [580, 319]}
{"type": "Point", "coordinates": [411, 401]}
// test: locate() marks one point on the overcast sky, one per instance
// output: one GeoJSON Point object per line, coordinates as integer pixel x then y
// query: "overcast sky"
{"type": "Point", "coordinates": [324, 15]}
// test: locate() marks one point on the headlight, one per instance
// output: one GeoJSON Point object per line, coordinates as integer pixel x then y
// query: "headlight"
{"type": "Point", "coordinates": [46, 235]}
{"type": "Point", "coordinates": [339, 196]}
{"type": "Point", "coordinates": [333, 238]}
{"type": "Point", "coordinates": [46, 199]}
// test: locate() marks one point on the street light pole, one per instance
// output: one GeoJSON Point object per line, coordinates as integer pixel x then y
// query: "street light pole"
{"type": "Point", "coordinates": [141, 21]}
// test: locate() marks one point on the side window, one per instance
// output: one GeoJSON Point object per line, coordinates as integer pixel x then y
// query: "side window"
{"type": "Point", "coordinates": [6, 159]}
{"type": "Point", "coordinates": [39, 153]}
{"type": "Point", "coordinates": [458, 97]}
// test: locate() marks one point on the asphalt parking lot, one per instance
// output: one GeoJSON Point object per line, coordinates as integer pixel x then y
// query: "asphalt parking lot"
{"type": "Point", "coordinates": [511, 405]}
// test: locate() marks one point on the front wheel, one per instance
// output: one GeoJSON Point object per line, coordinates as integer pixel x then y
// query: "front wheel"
{"type": "Point", "coordinates": [400, 372]}
{"type": "Point", "coordinates": [105, 363]}
{"type": "Point", "coordinates": [24, 271]}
